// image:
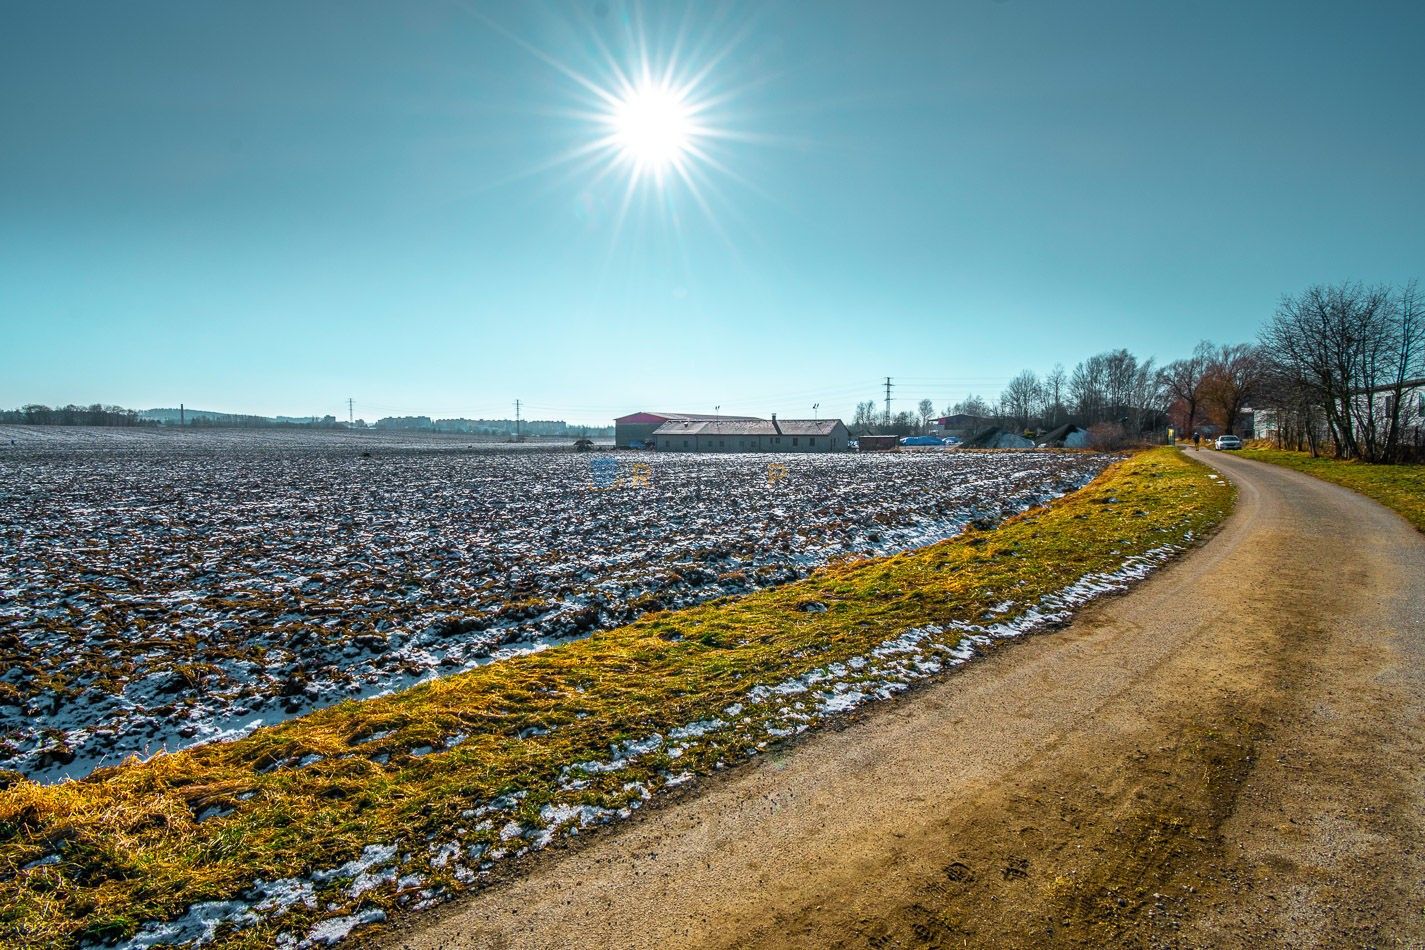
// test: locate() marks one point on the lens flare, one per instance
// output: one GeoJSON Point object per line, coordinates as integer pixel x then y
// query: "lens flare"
{"type": "Point", "coordinates": [652, 127]}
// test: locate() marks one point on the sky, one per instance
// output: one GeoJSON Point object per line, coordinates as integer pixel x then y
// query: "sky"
{"type": "Point", "coordinates": [434, 207]}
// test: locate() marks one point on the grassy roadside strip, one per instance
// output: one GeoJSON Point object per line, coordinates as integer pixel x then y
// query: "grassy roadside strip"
{"type": "Point", "coordinates": [499, 748]}
{"type": "Point", "coordinates": [1399, 487]}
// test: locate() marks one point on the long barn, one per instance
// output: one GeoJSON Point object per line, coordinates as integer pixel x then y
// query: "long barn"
{"type": "Point", "coordinates": [635, 431]}
{"type": "Point", "coordinates": [752, 435]}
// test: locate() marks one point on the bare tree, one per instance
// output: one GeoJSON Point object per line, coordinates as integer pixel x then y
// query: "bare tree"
{"type": "Point", "coordinates": [1116, 387]}
{"type": "Point", "coordinates": [1020, 399]}
{"type": "Point", "coordinates": [902, 423]}
{"type": "Point", "coordinates": [1403, 364]}
{"type": "Point", "coordinates": [1343, 344]}
{"type": "Point", "coordinates": [1182, 380]}
{"type": "Point", "coordinates": [927, 409]}
{"type": "Point", "coordinates": [1291, 412]}
{"type": "Point", "coordinates": [1087, 387]}
{"type": "Point", "coordinates": [1235, 374]}
{"type": "Point", "coordinates": [865, 419]}
{"type": "Point", "coordinates": [970, 406]}
{"type": "Point", "coordinates": [1055, 386]}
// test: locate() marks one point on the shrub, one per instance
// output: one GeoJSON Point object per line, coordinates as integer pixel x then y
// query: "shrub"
{"type": "Point", "coordinates": [1107, 436]}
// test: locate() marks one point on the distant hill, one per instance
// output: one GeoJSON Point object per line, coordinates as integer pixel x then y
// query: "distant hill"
{"type": "Point", "coordinates": [497, 427]}
{"type": "Point", "coordinates": [172, 417]}
{"type": "Point", "coordinates": [99, 415]}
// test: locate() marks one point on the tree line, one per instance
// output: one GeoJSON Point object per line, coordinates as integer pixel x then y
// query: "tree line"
{"type": "Point", "coordinates": [493, 427]}
{"type": "Point", "coordinates": [100, 415]}
{"type": "Point", "coordinates": [95, 415]}
{"type": "Point", "coordinates": [1113, 388]}
{"type": "Point", "coordinates": [1338, 369]}
{"type": "Point", "coordinates": [1346, 371]}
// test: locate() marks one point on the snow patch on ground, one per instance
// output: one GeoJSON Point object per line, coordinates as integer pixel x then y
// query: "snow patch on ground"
{"type": "Point", "coordinates": [337, 929]}
{"type": "Point", "coordinates": [197, 926]}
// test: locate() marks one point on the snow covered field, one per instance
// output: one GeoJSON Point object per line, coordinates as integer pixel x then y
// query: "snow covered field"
{"type": "Point", "coordinates": [209, 440]}
{"type": "Point", "coordinates": [160, 593]}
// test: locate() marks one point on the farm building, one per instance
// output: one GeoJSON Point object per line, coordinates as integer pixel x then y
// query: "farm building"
{"type": "Point", "coordinates": [636, 430]}
{"type": "Point", "coordinates": [961, 426]}
{"type": "Point", "coordinates": [751, 435]}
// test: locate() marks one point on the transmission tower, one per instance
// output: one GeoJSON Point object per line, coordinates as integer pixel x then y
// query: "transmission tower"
{"type": "Point", "coordinates": [888, 400]}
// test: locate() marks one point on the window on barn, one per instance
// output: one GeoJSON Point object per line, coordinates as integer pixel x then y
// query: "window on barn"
{"type": "Point", "coordinates": [685, 443]}
{"type": "Point", "coordinates": [719, 443]}
{"type": "Point", "coordinates": [811, 441]}
{"type": "Point", "coordinates": [794, 440]}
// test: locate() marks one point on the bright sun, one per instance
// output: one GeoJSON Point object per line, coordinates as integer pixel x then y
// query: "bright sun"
{"type": "Point", "coordinates": [653, 127]}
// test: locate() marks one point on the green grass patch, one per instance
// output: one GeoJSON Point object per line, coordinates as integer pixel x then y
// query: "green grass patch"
{"type": "Point", "coordinates": [126, 845]}
{"type": "Point", "coordinates": [1399, 487]}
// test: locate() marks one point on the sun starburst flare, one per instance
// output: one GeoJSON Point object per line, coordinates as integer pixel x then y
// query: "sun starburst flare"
{"type": "Point", "coordinates": [652, 126]}
{"type": "Point", "coordinates": [658, 112]}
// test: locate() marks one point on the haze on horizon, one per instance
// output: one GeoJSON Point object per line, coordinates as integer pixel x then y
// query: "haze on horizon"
{"type": "Point", "coordinates": [598, 207]}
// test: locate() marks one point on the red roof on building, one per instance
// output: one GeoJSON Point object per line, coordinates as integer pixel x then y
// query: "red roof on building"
{"type": "Point", "coordinates": [652, 418]}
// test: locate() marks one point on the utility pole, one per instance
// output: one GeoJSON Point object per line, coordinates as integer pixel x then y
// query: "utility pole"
{"type": "Point", "coordinates": [350, 411]}
{"type": "Point", "coordinates": [717, 413]}
{"type": "Point", "coordinates": [180, 415]}
{"type": "Point", "coordinates": [814, 407]}
{"type": "Point", "coordinates": [888, 400]}
{"type": "Point", "coordinates": [517, 420]}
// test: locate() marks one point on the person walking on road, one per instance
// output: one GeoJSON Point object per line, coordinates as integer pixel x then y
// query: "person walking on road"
{"type": "Point", "coordinates": [1197, 441]}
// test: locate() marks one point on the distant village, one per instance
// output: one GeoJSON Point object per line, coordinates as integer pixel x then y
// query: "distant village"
{"type": "Point", "coordinates": [1372, 407]}
{"type": "Point", "coordinates": [699, 432]}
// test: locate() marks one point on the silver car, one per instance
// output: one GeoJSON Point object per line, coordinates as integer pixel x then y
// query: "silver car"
{"type": "Point", "coordinates": [1228, 442]}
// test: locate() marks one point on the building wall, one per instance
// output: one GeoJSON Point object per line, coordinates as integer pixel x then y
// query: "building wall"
{"type": "Point", "coordinates": [626, 432]}
{"type": "Point", "coordinates": [836, 442]}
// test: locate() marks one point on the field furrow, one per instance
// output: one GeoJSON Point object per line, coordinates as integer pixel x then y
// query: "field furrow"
{"type": "Point", "coordinates": [151, 599]}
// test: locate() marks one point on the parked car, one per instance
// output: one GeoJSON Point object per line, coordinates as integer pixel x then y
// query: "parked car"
{"type": "Point", "coordinates": [1228, 442]}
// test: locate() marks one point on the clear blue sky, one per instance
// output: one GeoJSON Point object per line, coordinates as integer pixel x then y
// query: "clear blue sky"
{"type": "Point", "coordinates": [271, 206]}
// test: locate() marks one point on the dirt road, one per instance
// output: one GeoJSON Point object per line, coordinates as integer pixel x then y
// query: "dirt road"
{"type": "Point", "coordinates": [1229, 756]}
